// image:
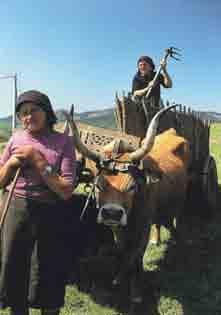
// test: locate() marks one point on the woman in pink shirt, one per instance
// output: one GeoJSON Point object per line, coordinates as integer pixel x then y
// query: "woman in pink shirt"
{"type": "Point", "coordinates": [33, 244]}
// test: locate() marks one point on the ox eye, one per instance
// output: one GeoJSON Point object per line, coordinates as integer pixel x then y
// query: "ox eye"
{"type": "Point", "coordinates": [131, 188]}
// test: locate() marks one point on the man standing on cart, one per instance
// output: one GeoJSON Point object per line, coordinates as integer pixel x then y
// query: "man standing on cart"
{"type": "Point", "coordinates": [143, 80]}
{"type": "Point", "coordinates": [146, 86]}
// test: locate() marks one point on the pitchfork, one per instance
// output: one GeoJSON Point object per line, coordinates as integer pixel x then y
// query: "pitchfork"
{"type": "Point", "coordinates": [172, 52]}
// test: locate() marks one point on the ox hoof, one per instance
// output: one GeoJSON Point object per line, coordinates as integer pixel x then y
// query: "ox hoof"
{"type": "Point", "coordinates": [137, 299]}
{"type": "Point", "coordinates": [115, 282]}
{"type": "Point", "coordinates": [136, 308]}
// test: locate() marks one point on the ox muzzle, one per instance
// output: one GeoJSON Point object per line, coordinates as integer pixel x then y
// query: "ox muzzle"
{"type": "Point", "coordinates": [112, 215]}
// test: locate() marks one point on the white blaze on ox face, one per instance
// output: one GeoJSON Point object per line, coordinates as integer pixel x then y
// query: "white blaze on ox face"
{"type": "Point", "coordinates": [115, 195]}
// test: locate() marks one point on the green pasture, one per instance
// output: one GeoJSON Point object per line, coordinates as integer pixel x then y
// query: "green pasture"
{"type": "Point", "coordinates": [215, 146]}
{"type": "Point", "coordinates": [184, 280]}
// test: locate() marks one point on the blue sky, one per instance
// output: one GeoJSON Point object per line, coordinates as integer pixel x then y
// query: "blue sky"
{"type": "Point", "coordinates": [82, 52]}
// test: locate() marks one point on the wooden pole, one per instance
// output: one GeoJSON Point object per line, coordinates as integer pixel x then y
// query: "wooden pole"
{"type": "Point", "coordinates": [9, 197]}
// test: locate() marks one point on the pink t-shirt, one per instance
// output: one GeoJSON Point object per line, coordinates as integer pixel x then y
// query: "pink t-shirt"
{"type": "Point", "coordinates": [57, 148]}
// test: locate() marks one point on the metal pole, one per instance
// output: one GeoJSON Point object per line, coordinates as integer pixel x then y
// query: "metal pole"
{"type": "Point", "coordinates": [14, 103]}
{"type": "Point", "coordinates": [15, 88]}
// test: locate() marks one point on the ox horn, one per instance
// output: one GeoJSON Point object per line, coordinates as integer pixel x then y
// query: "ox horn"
{"type": "Point", "coordinates": [81, 147]}
{"type": "Point", "coordinates": [148, 141]}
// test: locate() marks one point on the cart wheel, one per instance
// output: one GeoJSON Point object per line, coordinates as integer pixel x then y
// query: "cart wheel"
{"type": "Point", "coordinates": [210, 183]}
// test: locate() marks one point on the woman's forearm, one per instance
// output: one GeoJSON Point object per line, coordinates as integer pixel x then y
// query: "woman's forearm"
{"type": "Point", "coordinates": [59, 185]}
{"type": "Point", "coordinates": [55, 182]}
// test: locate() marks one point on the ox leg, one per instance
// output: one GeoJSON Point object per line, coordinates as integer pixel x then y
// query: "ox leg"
{"type": "Point", "coordinates": [179, 230]}
{"type": "Point", "coordinates": [175, 224]}
{"type": "Point", "coordinates": [135, 282]}
{"type": "Point", "coordinates": [132, 279]}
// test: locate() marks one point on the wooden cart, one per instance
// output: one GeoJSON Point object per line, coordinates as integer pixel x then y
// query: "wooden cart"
{"type": "Point", "coordinates": [132, 124]}
{"type": "Point", "coordinates": [131, 119]}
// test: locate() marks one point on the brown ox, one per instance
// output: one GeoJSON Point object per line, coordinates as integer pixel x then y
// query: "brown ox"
{"type": "Point", "coordinates": [134, 187]}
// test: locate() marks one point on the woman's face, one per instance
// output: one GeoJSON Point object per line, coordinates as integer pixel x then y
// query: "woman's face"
{"type": "Point", "coordinates": [144, 68]}
{"type": "Point", "coordinates": [32, 117]}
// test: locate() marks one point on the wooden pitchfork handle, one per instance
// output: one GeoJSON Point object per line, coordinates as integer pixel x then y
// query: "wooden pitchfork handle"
{"type": "Point", "coordinates": [168, 52]}
{"type": "Point", "coordinates": [9, 197]}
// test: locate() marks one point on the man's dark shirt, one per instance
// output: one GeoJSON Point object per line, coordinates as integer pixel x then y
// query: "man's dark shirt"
{"type": "Point", "coordinates": [141, 82]}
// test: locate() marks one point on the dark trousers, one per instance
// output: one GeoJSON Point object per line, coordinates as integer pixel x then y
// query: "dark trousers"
{"type": "Point", "coordinates": [35, 252]}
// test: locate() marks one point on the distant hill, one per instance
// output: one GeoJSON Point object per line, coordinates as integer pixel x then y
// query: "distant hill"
{"type": "Point", "coordinates": [100, 118]}
{"type": "Point", "coordinates": [212, 116]}
{"type": "Point", "coordinates": [105, 118]}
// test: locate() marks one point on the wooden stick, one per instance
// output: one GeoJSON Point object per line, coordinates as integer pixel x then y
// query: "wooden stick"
{"type": "Point", "coordinates": [9, 197]}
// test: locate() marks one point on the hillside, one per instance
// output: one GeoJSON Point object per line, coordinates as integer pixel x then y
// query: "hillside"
{"type": "Point", "coordinates": [100, 118]}
{"type": "Point", "coordinates": [212, 116]}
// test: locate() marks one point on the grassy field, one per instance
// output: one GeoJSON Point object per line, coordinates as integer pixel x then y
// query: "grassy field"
{"type": "Point", "coordinates": [185, 280]}
{"type": "Point", "coordinates": [5, 131]}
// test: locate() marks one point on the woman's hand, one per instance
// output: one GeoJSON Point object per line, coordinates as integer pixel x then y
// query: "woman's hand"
{"type": "Point", "coordinates": [163, 64]}
{"type": "Point", "coordinates": [14, 161]}
{"type": "Point", "coordinates": [27, 153]}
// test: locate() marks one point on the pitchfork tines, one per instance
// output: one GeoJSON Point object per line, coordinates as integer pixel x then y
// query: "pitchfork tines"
{"type": "Point", "coordinates": [173, 52]}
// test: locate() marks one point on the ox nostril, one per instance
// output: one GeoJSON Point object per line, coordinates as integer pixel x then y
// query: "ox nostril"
{"type": "Point", "coordinates": [110, 212]}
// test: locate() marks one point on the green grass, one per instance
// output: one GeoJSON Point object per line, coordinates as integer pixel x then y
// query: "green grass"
{"type": "Point", "coordinates": [215, 146]}
{"type": "Point", "coordinates": [5, 131]}
{"type": "Point", "coordinates": [186, 280]}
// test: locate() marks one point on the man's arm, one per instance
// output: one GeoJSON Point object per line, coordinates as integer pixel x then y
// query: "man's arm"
{"type": "Point", "coordinates": [167, 82]}
{"type": "Point", "coordinates": [142, 92]}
